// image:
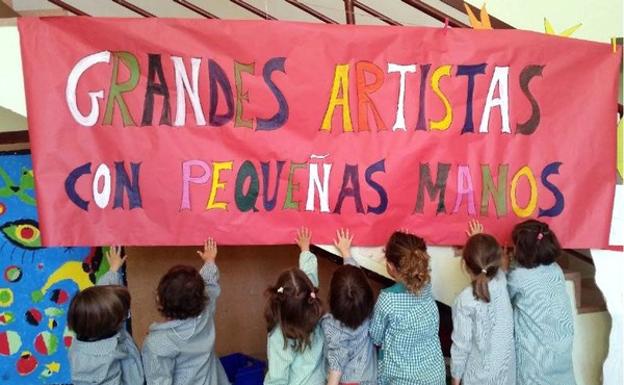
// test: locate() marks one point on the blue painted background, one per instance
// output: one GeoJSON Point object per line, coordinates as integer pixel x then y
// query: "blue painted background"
{"type": "Point", "coordinates": [37, 265]}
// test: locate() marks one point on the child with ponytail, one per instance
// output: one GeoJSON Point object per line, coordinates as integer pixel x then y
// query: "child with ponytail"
{"type": "Point", "coordinates": [293, 312]}
{"type": "Point", "coordinates": [483, 350]}
{"type": "Point", "coordinates": [405, 320]}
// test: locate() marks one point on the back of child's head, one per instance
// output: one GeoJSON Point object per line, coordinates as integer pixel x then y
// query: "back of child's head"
{"type": "Point", "coordinates": [181, 293]}
{"type": "Point", "coordinates": [351, 298]}
{"type": "Point", "coordinates": [535, 244]}
{"type": "Point", "coordinates": [98, 312]}
{"type": "Point", "coordinates": [293, 304]}
{"type": "Point", "coordinates": [407, 253]}
{"type": "Point", "coordinates": [482, 257]}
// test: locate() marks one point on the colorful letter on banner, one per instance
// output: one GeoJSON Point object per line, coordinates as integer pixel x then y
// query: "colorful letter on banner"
{"type": "Point", "coordinates": [162, 132]}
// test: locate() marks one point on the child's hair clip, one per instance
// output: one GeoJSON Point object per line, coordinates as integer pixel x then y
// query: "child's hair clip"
{"type": "Point", "coordinates": [280, 290]}
{"type": "Point", "coordinates": [313, 295]}
{"type": "Point", "coordinates": [540, 235]}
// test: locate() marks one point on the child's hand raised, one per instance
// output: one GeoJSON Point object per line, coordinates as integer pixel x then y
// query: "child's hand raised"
{"type": "Point", "coordinates": [343, 242]}
{"type": "Point", "coordinates": [303, 238]}
{"type": "Point", "coordinates": [115, 260]}
{"type": "Point", "coordinates": [474, 227]}
{"type": "Point", "coordinates": [210, 251]}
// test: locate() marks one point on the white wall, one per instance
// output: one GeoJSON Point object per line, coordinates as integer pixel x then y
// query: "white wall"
{"type": "Point", "coordinates": [602, 19]}
{"type": "Point", "coordinates": [11, 78]}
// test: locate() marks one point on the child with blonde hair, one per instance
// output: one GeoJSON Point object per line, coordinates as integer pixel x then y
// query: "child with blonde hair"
{"type": "Point", "coordinates": [405, 321]}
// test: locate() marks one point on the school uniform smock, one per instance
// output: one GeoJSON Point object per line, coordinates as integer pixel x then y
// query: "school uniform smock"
{"type": "Point", "coordinates": [543, 325]}
{"type": "Point", "coordinates": [483, 351]}
{"type": "Point", "coordinates": [181, 352]}
{"type": "Point", "coordinates": [110, 361]}
{"type": "Point", "coordinates": [405, 325]}
{"type": "Point", "coordinates": [350, 351]}
{"type": "Point", "coordinates": [290, 367]}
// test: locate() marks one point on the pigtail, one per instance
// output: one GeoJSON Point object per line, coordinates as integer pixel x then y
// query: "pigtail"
{"type": "Point", "coordinates": [482, 257]}
{"type": "Point", "coordinates": [272, 307]}
{"type": "Point", "coordinates": [480, 284]}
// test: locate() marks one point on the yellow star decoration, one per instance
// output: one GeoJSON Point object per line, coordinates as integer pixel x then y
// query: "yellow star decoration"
{"type": "Point", "coordinates": [566, 33]}
{"type": "Point", "coordinates": [475, 23]}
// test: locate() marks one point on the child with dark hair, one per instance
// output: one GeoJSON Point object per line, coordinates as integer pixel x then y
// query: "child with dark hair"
{"type": "Point", "coordinates": [180, 351]}
{"type": "Point", "coordinates": [350, 353]}
{"type": "Point", "coordinates": [293, 311]}
{"type": "Point", "coordinates": [543, 319]}
{"type": "Point", "coordinates": [483, 351]}
{"type": "Point", "coordinates": [103, 352]}
{"type": "Point", "coordinates": [405, 321]}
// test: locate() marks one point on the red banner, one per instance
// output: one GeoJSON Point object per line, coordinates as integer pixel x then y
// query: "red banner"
{"type": "Point", "coordinates": [161, 132]}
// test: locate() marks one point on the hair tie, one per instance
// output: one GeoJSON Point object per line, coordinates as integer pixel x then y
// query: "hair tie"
{"type": "Point", "coordinates": [280, 290]}
{"type": "Point", "coordinates": [484, 271]}
{"type": "Point", "coordinates": [540, 235]}
{"type": "Point", "coordinates": [313, 295]}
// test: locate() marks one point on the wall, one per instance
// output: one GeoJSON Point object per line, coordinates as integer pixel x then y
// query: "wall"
{"type": "Point", "coordinates": [602, 19]}
{"type": "Point", "coordinates": [11, 78]}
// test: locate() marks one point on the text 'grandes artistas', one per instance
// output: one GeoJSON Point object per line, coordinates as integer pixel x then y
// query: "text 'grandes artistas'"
{"type": "Point", "coordinates": [254, 185]}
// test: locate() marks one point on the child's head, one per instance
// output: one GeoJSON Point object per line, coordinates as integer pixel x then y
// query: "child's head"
{"type": "Point", "coordinates": [293, 304]}
{"type": "Point", "coordinates": [535, 244]}
{"type": "Point", "coordinates": [181, 293]}
{"type": "Point", "coordinates": [406, 255]}
{"type": "Point", "coordinates": [351, 298]}
{"type": "Point", "coordinates": [482, 257]}
{"type": "Point", "coordinates": [98, 312]}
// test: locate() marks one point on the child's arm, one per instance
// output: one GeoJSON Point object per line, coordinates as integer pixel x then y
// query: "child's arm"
{"type": "Point", "coordinates": [280, 358]}
{"type": "Point", "coordinates": [131, 367]}
{"type": "Point", "coordinates": [115, 261]}
{"type": "Point", "coordinates": [210, 272]}
{"type": "Point", "coordinates": [335, 351]}
{"type": "Point", "coordinates": [343, 244]}
{"type": "Point", "coordinates": [307, 261]}
{"type": "Point", "coordinates": [379, 322]}
{"type": "Point", "coordinates": [461, 336]}
{"type": "Point", "coordinates": [158, 369]}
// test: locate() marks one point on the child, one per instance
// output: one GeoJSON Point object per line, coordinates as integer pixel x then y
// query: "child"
{"type": "Point", "coordinates": [405, 320]}
{"type": "Point", "coordinates": [349, 350]}
{"type": "Point", "coordinates": [180, 351]}
{"type": "Point", "coordinates": [292, 312]}
{"type": "Point", "coordinates": [483, 349]}
{"type": "Point", "coordinates": [103, 351]}
{"type": "Point", "coordinates": [543, 321]}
